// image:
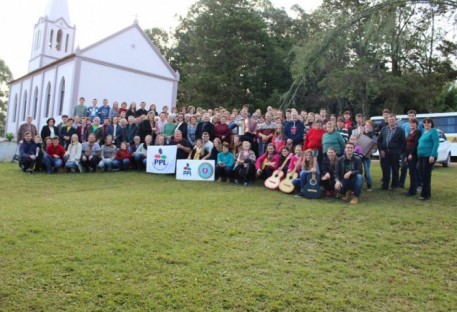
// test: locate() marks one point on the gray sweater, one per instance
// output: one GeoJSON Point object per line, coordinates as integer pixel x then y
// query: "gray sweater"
{"type": "Point", "coordinates": [108, 151]}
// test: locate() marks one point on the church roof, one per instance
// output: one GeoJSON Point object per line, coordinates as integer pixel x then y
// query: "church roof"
{"type": "Point", "coordinates": [81, 53]}
{"type": "Point", "coordinates": [58, 9]}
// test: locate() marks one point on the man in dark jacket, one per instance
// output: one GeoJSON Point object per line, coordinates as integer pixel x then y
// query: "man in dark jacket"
{"type": "Point", "coordinates": [391, 143]}
{"type": "Point", "coordinates": [348, 175]}
{"type": "Point", "coordinates": [28, 152]}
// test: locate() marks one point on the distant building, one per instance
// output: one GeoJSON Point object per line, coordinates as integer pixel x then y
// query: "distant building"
{"type": "Point", "coordinates": [125, 66]}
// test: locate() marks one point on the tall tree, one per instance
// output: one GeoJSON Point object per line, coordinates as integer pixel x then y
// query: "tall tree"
{"type": "Point", "coordinates": [364, 55]}
{"type": "Point", "coordinates": [232, 52]}
{"type": "Point", "coordinates": [161, 40]}
{"type": "Point", "coordinates": [5, 78]}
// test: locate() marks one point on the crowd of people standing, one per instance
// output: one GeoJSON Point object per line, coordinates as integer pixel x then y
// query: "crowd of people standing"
{"type": "Point", "coordinates": [244, 145]}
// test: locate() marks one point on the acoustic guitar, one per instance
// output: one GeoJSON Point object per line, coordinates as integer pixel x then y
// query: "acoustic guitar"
{"type": "Point", "coordinates": [312, 189]}
{"type": "Point", "coordinates": [286, 185]}
{"type": "Point", "coordinates": [272, 182]}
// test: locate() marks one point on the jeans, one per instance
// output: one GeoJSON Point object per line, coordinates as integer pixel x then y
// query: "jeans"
{"type": "Point", "coordinates": [106, 165]}
{"type": "Point", "coordinates": [224, 172]}
{"type": "Point", "coordinates": [121, 164]}
{"type": "Point", "coordinates": [302, 180]}
{"type": "Point", "coordinates": [366, 161]}
{"type": "Point", "coordinates": [71, 165]}
{"type": "Point", "coordinates": [140, 161]}
{"type": "Point", "coordinates": [353, 183]}
{"type": "Point", "coordinates": [51, 162]}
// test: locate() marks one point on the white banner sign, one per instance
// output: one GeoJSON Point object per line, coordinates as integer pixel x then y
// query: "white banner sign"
{"type": "Point", "coordinates": [161, 159]}
{"type": "Point", "coordinates": [196, 170]}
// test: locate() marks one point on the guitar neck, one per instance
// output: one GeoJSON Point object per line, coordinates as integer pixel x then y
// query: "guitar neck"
{"type": "Point", "coordinates": [284, 162]}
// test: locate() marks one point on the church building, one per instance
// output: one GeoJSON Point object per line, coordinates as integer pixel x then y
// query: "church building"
{"type": "Point", "coordinates": [125, 66]}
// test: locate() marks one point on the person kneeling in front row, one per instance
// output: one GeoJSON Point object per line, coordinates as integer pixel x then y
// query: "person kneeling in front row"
{"type": "Point", "coordinates": [349, 175]}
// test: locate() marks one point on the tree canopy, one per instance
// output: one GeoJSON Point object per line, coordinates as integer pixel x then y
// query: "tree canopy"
{"type": "Point", "coordinates": [5, 77]}
{"type": "Point", "coordinates": [357, 55]}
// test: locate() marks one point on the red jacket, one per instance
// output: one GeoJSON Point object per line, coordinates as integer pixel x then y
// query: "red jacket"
{"type": "Point", "coordinates": [222, 130]}
{"type": "Point", "coordinates": [314, 139]}
{"type": "Point", "coordinates": [121, 154]}
{"type": "Point", "coordinates": [259, 162]}
{"type": "Point", "coordinates": [52, 150]}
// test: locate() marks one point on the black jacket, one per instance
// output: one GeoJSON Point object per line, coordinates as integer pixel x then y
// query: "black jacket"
{"type": "Point", "coordinates": [396, 144]}
{"type": "Point", "coordinates": [354, 164]}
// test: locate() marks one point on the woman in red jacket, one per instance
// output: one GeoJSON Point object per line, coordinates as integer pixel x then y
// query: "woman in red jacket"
{"type": "Point", "coordinates": [313, 139]}
{"type": "Point", "coordinates": [267, 163]}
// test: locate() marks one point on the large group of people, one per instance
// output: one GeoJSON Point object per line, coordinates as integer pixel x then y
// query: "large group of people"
{"type": "Point", "coordinates": [297, 147]}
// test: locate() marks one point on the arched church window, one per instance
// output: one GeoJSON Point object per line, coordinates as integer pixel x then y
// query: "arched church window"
{"type": "Point", "coordinates": [66, 42]}
{"type": "Point", "coordinates": [24, 112]}
{"type": "Point", "coordinates": [59, 40]}
{"type": "Point", "coordinates": [51, 37]}
{"type": "Point", "coordinates": [35, 103]}
{"type": "Point", "coordinates": [48, 100]}
{"type": "Point", "coordinates": [61, 95]}
{"type": "Point", "coordinates": [15, 108]}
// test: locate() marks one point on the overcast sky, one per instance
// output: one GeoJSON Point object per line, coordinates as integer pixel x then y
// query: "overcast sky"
{"type": "Point", "coordinates": [94, 20]}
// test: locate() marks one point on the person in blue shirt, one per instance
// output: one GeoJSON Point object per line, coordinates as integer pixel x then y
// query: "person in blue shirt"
{"type": "Point", "coordinates": [92, 111]}
{"type": "Point", "coordinates": [103, 111]}
{"type": "Point", "coordinates": [427, 152]}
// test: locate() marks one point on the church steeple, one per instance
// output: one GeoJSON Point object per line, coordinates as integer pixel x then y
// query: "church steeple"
{"type": "Point", "coordinates": [54, 37]}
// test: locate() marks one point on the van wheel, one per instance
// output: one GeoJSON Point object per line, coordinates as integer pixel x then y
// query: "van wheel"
{"type": "Point", "coordinates": [447, 163]}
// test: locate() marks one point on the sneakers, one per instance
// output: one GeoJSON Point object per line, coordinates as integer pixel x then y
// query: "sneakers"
{"type": "Point", "coordinates": [354, 201]}
{"type": "Point", "coordinates": [347, 196]}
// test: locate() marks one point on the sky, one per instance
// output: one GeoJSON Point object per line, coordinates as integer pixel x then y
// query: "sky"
{"type": "Point", "coordinates": [94, 20]}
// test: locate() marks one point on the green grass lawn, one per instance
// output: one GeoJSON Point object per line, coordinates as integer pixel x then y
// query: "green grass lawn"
{"type": "Point", "coordinates": [137, 242]}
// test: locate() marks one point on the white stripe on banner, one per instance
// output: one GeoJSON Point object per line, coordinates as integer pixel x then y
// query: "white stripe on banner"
{"type": "Point", "coordinates": [161, 159]}
{"type": "Point", "coordinates": [196, 170]}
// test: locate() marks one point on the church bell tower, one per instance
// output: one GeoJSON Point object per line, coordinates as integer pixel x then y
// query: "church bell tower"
{"type": "Point", "coordinates": [53, 37]}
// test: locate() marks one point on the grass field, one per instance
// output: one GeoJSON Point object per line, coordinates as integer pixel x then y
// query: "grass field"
{"type": "Point", "coordinates": [142, 242]}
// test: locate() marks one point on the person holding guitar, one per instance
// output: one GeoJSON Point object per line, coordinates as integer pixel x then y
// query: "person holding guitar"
{"type": "Point", "coordinates": [309, 166]}
{"type": "Point", "coordinates": [275, 179]}
{"type": "Point", "coordinates": [267, 162]}
{"type": "Point", "coordinates": [294, 168]}
{"type": "Point", "coordinates": [349, 175]}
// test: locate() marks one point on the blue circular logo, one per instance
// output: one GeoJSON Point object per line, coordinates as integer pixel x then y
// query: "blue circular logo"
{"type": "Point", "coordinates": [205, 171]}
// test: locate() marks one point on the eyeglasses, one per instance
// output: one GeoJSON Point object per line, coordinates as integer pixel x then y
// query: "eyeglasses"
{"type": "Point", "coordinates": [426, 121]}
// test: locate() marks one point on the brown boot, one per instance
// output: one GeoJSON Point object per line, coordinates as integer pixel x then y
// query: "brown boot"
{"type": "Point", "coordinates": [354, 200]}
{"type": "Point", "coordinates": [219, 180]}
{"type": "Point", "coordinates": [347, 196]}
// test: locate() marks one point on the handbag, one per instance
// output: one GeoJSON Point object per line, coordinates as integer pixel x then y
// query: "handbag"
{"type": "Point", "coordinates": [16, 156]}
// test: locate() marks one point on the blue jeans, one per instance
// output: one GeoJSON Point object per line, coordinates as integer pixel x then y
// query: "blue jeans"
{"type": "Point", "coordinates": [224, 172]}
{"type": "Point", "coordinates": [354, 183]}
{"type": "Point", "coordinates": [71, 165]}
{"type": "Point", "coordinates": [367, 171]}
{"type": "Point", "coordinates": [140, 161]}
{"type": "Point", "coordinates": [121, 164]}
{"type": "Point", "coordinates": [106, 164]}
{"type": "Point", "coordinates": [51, 162]}
{"type": "Point", "coordinates": [302, 180]}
